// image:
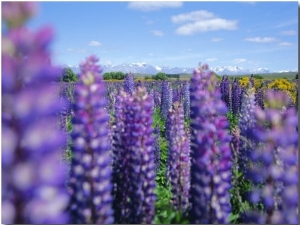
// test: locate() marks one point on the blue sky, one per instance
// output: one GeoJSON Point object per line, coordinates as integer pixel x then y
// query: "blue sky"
{"type": "Point", "coordinates": [182, 34]}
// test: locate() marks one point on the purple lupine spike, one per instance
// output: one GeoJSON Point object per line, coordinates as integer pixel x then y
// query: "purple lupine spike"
{"type": "Point", "coordinates": [246, 122]}
{"type": "Point", "coordinates": [275, 163]}
{"type": "Point", "coordinates": [186, 100]}
{"type": "Point", "coordinates": [166, 99]}
{"type": "Point", "coordinates": [90, 176]}
{"type": "Point", "coordinates": [225, 91]}
{"type": "Point", "coordinates": [259, 97]}
{"type": "Point", "coordinates": [178, 161]}
{"type": "Point", "coordinates": [33, 178]}
{"type": "Point", "coordinates": [210, 152]}
{"type": "Point", "coordinates": [120, 163]}
{"type": "Point", "coordinates": [138, 143]}
{"type": "Point", "coordinates": [236, 97]}
{"type": "Point", "coordinates": [176, 95]}
{"type": "Point", "coordinates": [129, 83]}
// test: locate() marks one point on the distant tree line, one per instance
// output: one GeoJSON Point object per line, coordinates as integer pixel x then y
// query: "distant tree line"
{"type": "Point", "coordinates": [158, 76]}
{"type": "Point", "coordinates": [114, 75]}
{"type": "Point", "coordinates": [173, 76]}
{"type": "Point", "coordinates": [69, 75]}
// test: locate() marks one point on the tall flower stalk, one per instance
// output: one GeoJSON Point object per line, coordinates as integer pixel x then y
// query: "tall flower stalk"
{"type": "Point", "coordinates": [186, 100]}
{"type": "Point", "coordinates": [135, 181]}
{"type": "Point", "coordinates": [33, 175]}
{"type": "Point", "coordinates": [225, 92]}
{"type": "Point", "coordinates": [236, 94]}
{"type": "Point", "coordinates": [120, 164]}
{"type": "Point", "coordinates": [178, 161]}
{"type": "Point", "coordinates": [90, 176]}
{"type": "Point", "coordinates": [166, 99]}
{"type": "Point", "coordinates": [129, 83]}
{"type": "Point", "coordinates": [210, 151]}
{"type": "Point", "coordinates": [246, 123]}
{"type": "Point", "coordinates": [274, 172]}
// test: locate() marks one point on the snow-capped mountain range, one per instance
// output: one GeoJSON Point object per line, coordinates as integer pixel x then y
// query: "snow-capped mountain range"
{"type": "Point", "coordinates": [144, 68]}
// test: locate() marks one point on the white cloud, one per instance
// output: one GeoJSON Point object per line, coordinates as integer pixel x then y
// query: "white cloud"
{"type": "Point", "coordinates": [261, 39]}
{"type": "Point", "coordinates": [150, 54]}
{"type": "Point", "coordinates": [201, 21]}
{"type": "Point", "coordinates": [152, 6]}
{"type": "Point", "coordinates": [288, 32]}
{"type": "Point", "coordinates": [239, 60]}
{"type": "Point", "coordinates": [216, 39]}
{"type": "Point", "coordinates": [192, 16]}
{"type": "Point", "coordinates": [211, 59]}
{"type": "Point", "coordinates": [285, 43]}
{"type": "Point", "coordinates": [157, 33]}
{"type": "Point", "coordinates": [203, 26]}
{"type": "Point", "coordinates": [95, 43]}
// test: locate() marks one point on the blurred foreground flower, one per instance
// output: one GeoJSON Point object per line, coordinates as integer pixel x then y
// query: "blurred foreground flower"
{"type": "Point", "coordinates": [33, 175]}
{"type": "Point", "coordinates": [275, 163]}
{"type": "Point", "coordinates": [210, 151]}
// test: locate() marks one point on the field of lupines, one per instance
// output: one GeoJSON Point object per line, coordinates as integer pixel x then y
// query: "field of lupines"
{"type": "Point", "coordinates": [200, 151]}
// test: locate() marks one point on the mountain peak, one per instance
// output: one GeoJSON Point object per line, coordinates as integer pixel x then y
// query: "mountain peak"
{"type": "Point", "coordinates": [145, 68]}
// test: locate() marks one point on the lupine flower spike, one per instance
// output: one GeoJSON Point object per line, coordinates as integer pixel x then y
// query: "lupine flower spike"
{"type": "Point", "coordinates": [33, 175]}
{"type": "Point", "coordinates": [166, 99]}
{"type": "Point", "coordinates": [210, 151]}
{"type": "Point", "coordinates": [275, 163]}
{"type": "Point", "coordinates": [90, 178]}
{"type": "Point", "coordinates": [178, 162]}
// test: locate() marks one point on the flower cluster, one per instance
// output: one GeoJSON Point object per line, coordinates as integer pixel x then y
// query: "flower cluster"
{"type": "Point", "coordinates": [136, 179]}
{"type": "Point", "coordinates": [259, 97]}
{"type": "Point", "coordinates": [225, 91]}
{"type": "Point", "coordinates": [210, 152]}
{"type": "Point", "coordinates": [166, 99]}
{"type": "Point", "coordinates": [236, 93]}
{"type": "Point", "coordinates": [90, 176]}
{"type": "Point", "coordinates": [120, 163]}
{"type": "Point", "coordinates": [246, 122]}
{"type": "Point", "coordinates": [33, 176]}
{"type": "Point", "coordinates": [178, 161]}
{"type": "Point", "coordinates": [186, 100]}
{"type": "Point", "coordinates": [176, 95]}
{"type": "Point", "coordinates": [129, 83]}
{"type": "Point", "coordinates": [275, 166]}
